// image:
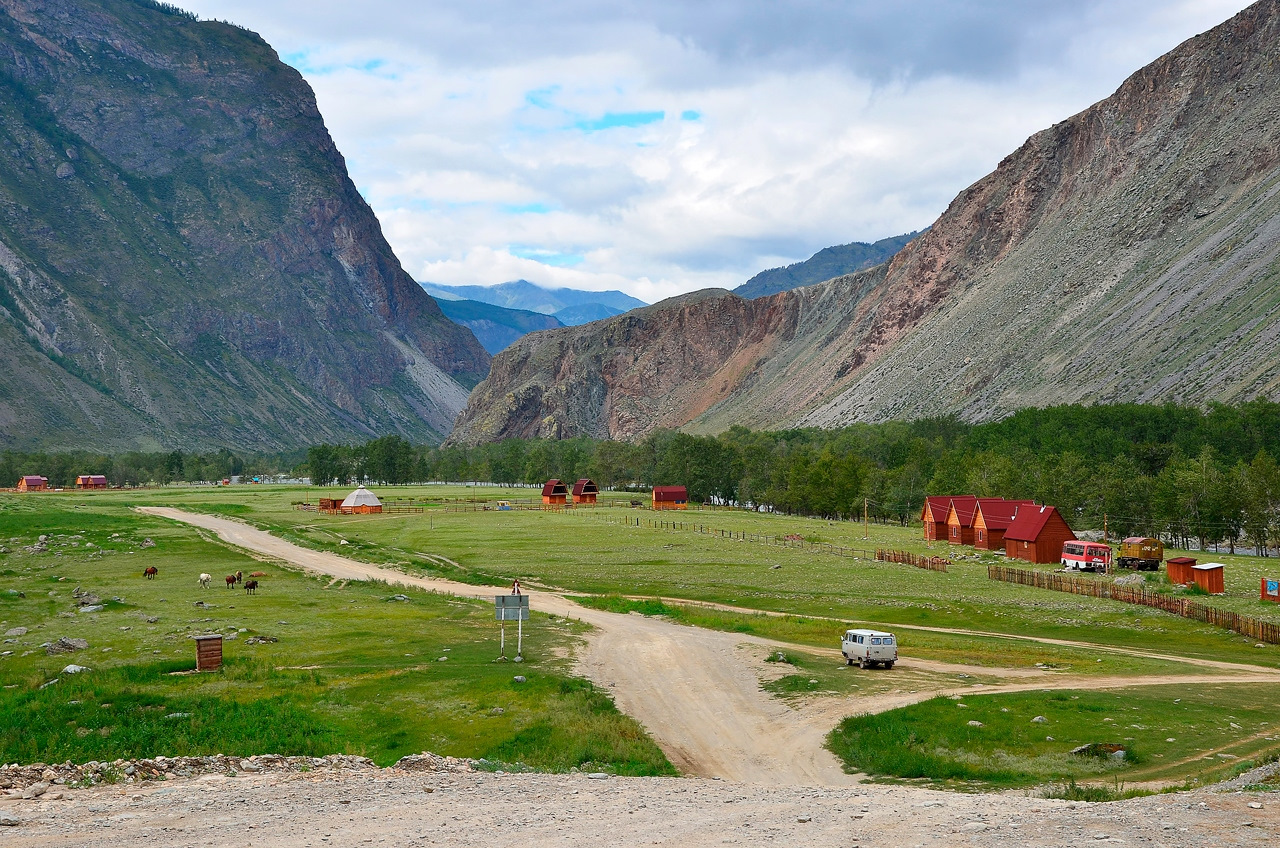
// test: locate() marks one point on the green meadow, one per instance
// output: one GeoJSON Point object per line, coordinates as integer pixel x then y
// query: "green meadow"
{"type": "Point", "coordinates": [355, 671]}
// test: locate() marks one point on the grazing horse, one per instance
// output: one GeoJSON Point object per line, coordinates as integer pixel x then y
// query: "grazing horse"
{"type": "Point", "coordinates": [204, 580]}
{"type": "Point", "coordinates": [150, 572]}
{"type": "Point", "coordinates": [231, 580]}
{"type": "Point", "coordinates": [251, 587]}
{"type": "Point", "coordinates": [239, 577]}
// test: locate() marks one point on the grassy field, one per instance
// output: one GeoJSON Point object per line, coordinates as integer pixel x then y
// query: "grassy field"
{"type": "Point", "coordinates": [379, 687]}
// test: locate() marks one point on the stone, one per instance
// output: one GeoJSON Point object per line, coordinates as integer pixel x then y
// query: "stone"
{"type": "Point", "coordinates": [35, 790]}
{"type": "Point", "coordinates": [598, 775]}
{"type": "Point", "coordinates": [65, 646]}
{"type": "Point", "coordinates": [1040, 720]}
{"type": "Point", "coordinates": [75, 669]}
{"type": "Point", "coordinates": [519, 678]}
{"type": "Point", "coordinates": [9, 821]}
{"type": "Point", "coordinates": [975, 724]}
{"type": "Point", "coordinates": [92, 608]}
{"type": "Point", "coordinates": [804, 819]}
{"type": "Point", "coordinates": [1254, 805]}
{"type": "Point", "coordinates": [16, 631]}
{"type": "Point", "coordinates": [974, 827]}
{"type": "Point", "coordinates": [65, 170]}
{"type": "Point", "coordinates": [49, 683]}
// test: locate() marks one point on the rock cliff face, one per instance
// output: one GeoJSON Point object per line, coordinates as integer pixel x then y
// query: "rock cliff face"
{"type": "Point", "coordinates": [1131, 252]}
{"type": "Point", "coordinates": [184, 261]}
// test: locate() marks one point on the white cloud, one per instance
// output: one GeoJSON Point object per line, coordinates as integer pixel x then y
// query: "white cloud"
{"type": "Point", "coordinates": [473, 131]}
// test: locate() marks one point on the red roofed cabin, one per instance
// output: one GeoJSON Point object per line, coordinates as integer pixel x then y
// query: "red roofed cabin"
{"type": "Point", "coordinates": [91, 481]}
{"type": "Point", "coordinates": [1036, 535]}
{"type": "Point", "coordinates": [1180, 570]}
{"type": "Point", "coordinates": [992, 519]}
{"type": "Point", "coordinates": [585, 491]}
{"type": "Point", "coordinates": [960, 520]}
{"type": "Point", "coordinates": [33, 483]}
{"type": "Point", "coordinates": [670, 497]}
{"type": "Point", "coordinates": [555, 493]}
{"type": "Point", "coordinates": [934, 517]}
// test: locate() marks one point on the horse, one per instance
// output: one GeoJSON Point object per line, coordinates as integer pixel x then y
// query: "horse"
{"type": "Point", "coordinates": [204, 580]}
{"type": "Point", "coordinates": [239, 577]}
{"type": "Point", "coordinates": [231, 580]}
{"type": "Point", "coordinates": [257, 574]}
{"type": "Point", "coordinates": [150, 572]}
{"type": "Point", "coordinates": [251, 587]}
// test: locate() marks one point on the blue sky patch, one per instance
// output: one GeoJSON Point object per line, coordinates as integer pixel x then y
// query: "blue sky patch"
{"type": "Point", "coordinates": [525, 208]}
{"type": "Point", "coordinates": [690, 115]}
{"type": "Point", "coordinates": [546, 257]}
{"type": "Point", "coordinates": [614, 120]}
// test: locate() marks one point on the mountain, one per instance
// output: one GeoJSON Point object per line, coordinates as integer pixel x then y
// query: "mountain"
{"type": "Point", "coordinates": [826, 264]}
{"type": "Point", "coordinates": [186, 262]}
{"type": "Point", "coordinates": [1130, 252]}
{"type": "Point", "coordinates": [496, 326]}
{"type": "Point", "coordinates": [522, 294]}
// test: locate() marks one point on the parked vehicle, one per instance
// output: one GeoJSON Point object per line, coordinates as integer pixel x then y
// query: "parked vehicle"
{"type": "Point", "coordinates": [1086, 556]}
{"type": "Point", "coordinates": [869, 647]}
{"type": "Point", "coordinates": [504, 506]}
{"type": "Point", "coordinates": [1141, 553]}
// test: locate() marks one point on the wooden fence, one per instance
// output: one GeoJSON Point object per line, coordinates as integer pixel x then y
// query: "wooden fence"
{"type": "Point", "coordinates": [908, 558]}
{"type": "Point", "coordinates": [1254, 628]}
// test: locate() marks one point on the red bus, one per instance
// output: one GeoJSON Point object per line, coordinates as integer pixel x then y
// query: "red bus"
{"type": "Point", "coordinates": [1086, 556]}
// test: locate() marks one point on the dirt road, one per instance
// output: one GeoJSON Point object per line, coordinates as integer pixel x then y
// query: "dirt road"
{"type": "Point", "coordinates": [697, 691]}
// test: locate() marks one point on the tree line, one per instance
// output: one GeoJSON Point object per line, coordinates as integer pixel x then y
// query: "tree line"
{"type": "Point", "coordinates": [141, 468]}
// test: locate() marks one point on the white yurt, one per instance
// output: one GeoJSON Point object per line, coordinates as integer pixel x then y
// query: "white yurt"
{"type": "Point", "coordinates": [361, 501]}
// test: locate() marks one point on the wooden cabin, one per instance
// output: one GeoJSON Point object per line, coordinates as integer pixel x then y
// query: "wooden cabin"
{"type": "Point", "coordinates": [33, 483]}
{"type": "Point", "coordinates": [361, 502]}
{"type": "Point", "coordinates": [1209, 576]}
{"type": "Point", "coordinates": [991, 521]}
{"type": "Point", "coordinates": [555, 493]}
{"type": "Point", "coordinates": [91, 481]}
{"type": "Point", "coordinates": [585, 491]}
{"type": "Point", "coordinates": [934, 517]}
{"type": "Point", "coordinates": [1036, 535]}
{"type": "Point", "coordinates": [670, 497]}
{"type": "Point", "coordinates": [960, 520]}
{"type": "Point", "coordinates": [1180, 570]}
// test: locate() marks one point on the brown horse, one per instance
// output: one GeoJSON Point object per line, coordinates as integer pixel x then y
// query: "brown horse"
{"type": "Point", "coordinates": [251, 587]}
{"type": "Point", "coordinates": [150, 572]}
{"type": "Point", "coordinates": [231, 580]}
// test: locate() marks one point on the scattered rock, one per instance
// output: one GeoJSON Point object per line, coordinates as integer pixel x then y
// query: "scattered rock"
{"type": "Point", "coordinates": [35, 790]}
{"type": "Point", "coordinates": [1040, 720]}
{"type": "Point", "coordinates": [975, 724]}
{"type": "Point", "coordinates": [9, 821]}
{"type": "Point", "coordinates": [496, 711]}
{"type": "Point", "coordinates": [92, 608]}
{"type": "Point", "coordinates": [49, 683]}
{"type": "Point", "coordinates": [75, 669]}
{"type": "Point", "coordinates": [16, 631]}
{"type": "Point", "coordinates": [147, 543]}
{"type": "Point", "coordinates": [974, 827]}
{"type": "Point", "coordinates": [519, 678]}
{"type": "Point", "coordinates": [65, 646]}
{"type": "Point", "coordinates": [598, 775]}
{"type": "Point", "coordinates": [804, 819]}
{"type": "Point", "coordinates": [1254, 805]}
{"type": "Point", "coordinates": [398, 598]}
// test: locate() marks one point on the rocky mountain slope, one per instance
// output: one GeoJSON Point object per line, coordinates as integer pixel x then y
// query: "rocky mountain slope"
{"type": "Point", "coordinates": [1130, 252]}
{"type": "Point", "coordinates": [496, 327]}
{"type": "Point", "coordinates": [185, 261]}
{"type": "Point", "coordinates": [826, 264]}
{"type": "Point", "coordinates": [569, 306]}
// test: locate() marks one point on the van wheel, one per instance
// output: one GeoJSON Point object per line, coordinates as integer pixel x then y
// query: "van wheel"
{"type": "Point", "coordinates": [849, 661]}
{"type": "Point", "coordinates": [862, 663]}
{"type": "Point", "coordinates": [889, 664]}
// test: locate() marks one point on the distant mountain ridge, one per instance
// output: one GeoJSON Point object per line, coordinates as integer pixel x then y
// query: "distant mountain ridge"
{"type": "Point", "coordinates": [496, 326]}
{"type": "Point", "coordinates": [826, 264]}
{"type": "Point", "coordinates": [184, 261]}
{"type": "Point", "coordinates": [571, 306]}
{"type": "Point", "coordinates": [1127, 253]}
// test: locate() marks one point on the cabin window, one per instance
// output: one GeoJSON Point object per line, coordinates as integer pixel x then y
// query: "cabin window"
{"type": "Point", "coordinates": [981, 535]}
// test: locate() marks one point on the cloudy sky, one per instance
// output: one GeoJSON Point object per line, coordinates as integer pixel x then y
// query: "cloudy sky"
{"type": "Point", "coordinates": [662, 146]}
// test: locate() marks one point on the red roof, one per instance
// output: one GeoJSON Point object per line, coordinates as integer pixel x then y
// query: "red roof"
{"type": "Point", "coordinates": [1029, 521]}
{"type": "Point", "coordinates": [34, 479]}
{"type": "Point", "coordinates": [965, 506]}
{"type": "Point", "coordinates": [998, 513]}
{"type": "Point", "coordinates": [670, 493]}
{"type": "Point", "coordinates": [938, 506]}
{"type": "Point", "coordinates": [585, 486]}
{"type": "Point", "coordinates": [554, 487]}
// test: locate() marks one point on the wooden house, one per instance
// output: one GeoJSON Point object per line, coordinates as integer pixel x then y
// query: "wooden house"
{"type": "Point", "coordinates": [585, 491]}
{"type": "Point", "coordinates": [555, 493]}
{"type": "Point", "coordinates": [1209, 576]}
{"type": "Point", "coordinates": [1180, 570]}
{"type": "Point", "coordinates": [670, 497]}
{"type": "Point", "coordinates": [1036, 534]}
{"type": "Point", "coordinates": [33, 483]}
{"type": "Point", "coordinates": [960, 520]}
{"type": "Point", "coordinates": [361, 502]}
{"type": "Point", "coordinates": [934, 517]}
{"type": "Point", "coordinates": [91, 481]}
{"type": "Point", "coordinates": [991, 520]}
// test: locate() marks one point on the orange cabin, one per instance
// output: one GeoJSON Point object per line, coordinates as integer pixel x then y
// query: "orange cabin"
{"type": "Point", "coordinates": [555, 493]}
{"type": "Point", "coordinates": [670, 497]}
{"type": "Point", "coordinates": [1180, 570]}
{"type": "Point", "coordinates": [1036, 535]}
{"type": "Point", "coordinates": [585, 491]}
{"type": "Point", "coordinates": [33, 483]}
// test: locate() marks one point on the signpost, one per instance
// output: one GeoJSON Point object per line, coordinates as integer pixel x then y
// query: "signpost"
{"type": "Point", "coordinates": [512, 608]}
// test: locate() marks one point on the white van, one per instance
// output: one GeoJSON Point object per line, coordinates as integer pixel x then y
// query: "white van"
{"type": "Point", "coordinates": [869, 647]}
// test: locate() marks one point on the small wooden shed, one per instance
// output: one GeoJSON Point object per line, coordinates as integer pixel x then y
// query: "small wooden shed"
{"type": "Point", "coordinates": [33, 483]}
{"type": "Point", "coordinates": [91, 481]}
{"type": "Point", "coordinates": [934, 517]}
{"type": "Point", "coordinates": [1180, 570]}
{"type": "Point", "coordinates": [361, 502]}
{"type": "Point", "coordinates": [1208, 576]}
{"type": "Point", "coordinates": [585, 491]}
{"type": "Point", "coordinates": [555, 493]}
{"type": "Point", "coordinates": [670, 497]}
{"type": "Point", "coordinates": [208, 652]}
{"type": "Point", "coordinates": [1270, 590]}
{"type": "Point", "coordinates": [1036, 535]}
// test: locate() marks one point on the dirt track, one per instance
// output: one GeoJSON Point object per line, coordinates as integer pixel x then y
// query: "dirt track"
{"type": "Point", "coordinates": [697, 691]}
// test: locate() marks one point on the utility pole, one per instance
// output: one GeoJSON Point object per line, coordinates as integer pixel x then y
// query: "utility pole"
{"type": "Point", "coordinates": [866, 524]}
{"type": "Point", "coordinates": [1104, 527]}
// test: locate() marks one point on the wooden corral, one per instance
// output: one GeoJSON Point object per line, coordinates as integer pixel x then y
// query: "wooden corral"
{"type": "Point", "coordinates": [91, 481]}
{"type": "Point", "coordinates": [1270, 590]}
{"type": "Point", "coordinates": [670, 497]}
{"type": "Point", "coordinates": [208, 653]}
{"type": "Point", "coordinates": [934, 517]}
{"type": "Point", "coordinates": [585, 491]}
{"type": "Point", "coordinates": [991, 520]}
{"type": "Point", "coordinates": [330, 505]}
{"type": "Point", "coordinates": [1180, 570]}
{"type": "Point", "coordinates": [1037, 534]}
{"type": "Point", "coordinates": [1209, 576]}
{"type": "Point", "coordinates": [555, 493]}
{"type": "Point", "coordinates": [33, 483]}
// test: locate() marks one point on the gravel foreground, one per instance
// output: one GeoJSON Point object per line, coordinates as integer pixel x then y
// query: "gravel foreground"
{"type": "Point", "coordinates": [428, 800]}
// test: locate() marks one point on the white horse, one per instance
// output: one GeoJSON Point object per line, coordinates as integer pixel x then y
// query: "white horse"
{"type": "Point", "coordinates": [204, 580]}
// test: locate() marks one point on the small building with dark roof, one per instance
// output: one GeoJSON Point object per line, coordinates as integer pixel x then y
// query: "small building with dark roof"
{"type": "Point", "coordinates": [1036, 534]}
{"type": "Point", "coordinates": [960, 520]}
{"type": "Point", "coordinates": [91, 481]}
{"type": "Point", "coordinates": [555, 493]}
{"type": "Point", "coordinates": [991, 519]}
{"type": "Point", "coordinates": [32, 483]}
{"type": "Point", "coordinates": [934, 517]}
{"type": "Point", "coordinates": [670, 497]}
{"type": "Point", "coordinates": [585, 491]}
{"type": "Point", "coordinates": [1180, 570]}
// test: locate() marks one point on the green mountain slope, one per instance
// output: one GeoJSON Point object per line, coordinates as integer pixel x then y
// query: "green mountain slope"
{"type": "Point", "coordinates": [571, 306]}
{"type": "Point", "coordinates": [826, 264]}
{"type": "Point", "coordinates": [183, 259]}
